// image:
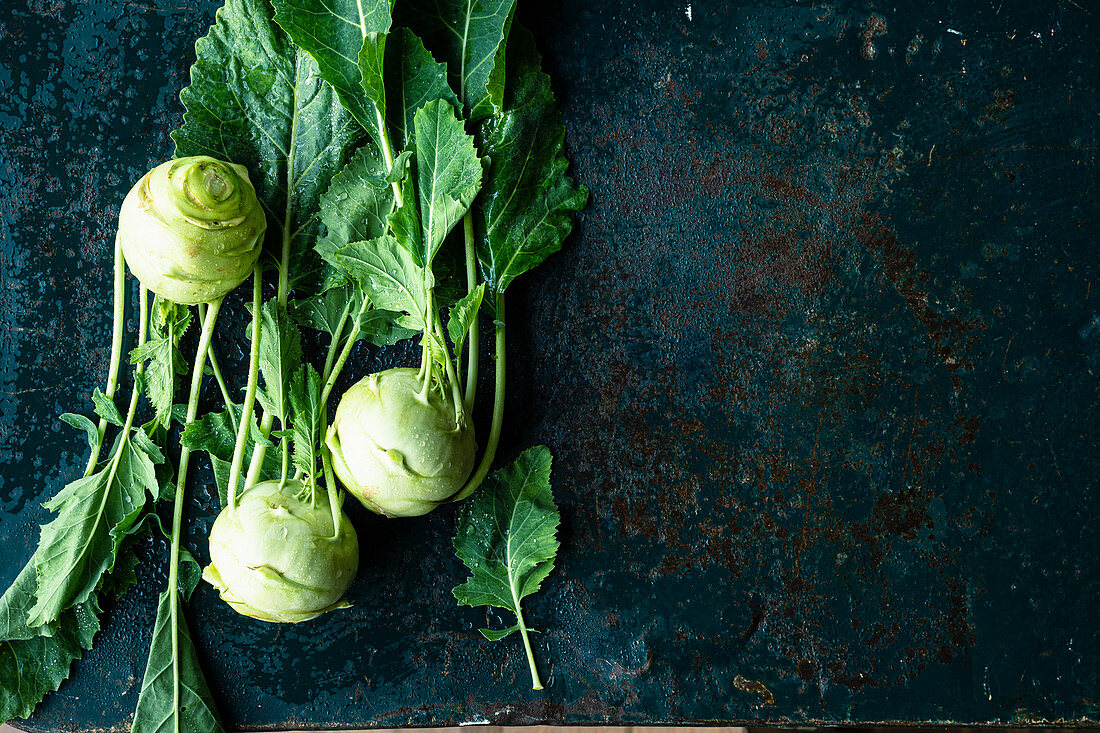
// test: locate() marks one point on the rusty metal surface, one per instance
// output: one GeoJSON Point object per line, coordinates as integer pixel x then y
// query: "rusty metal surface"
{"type": "Point", "coordinates": [818, 368]}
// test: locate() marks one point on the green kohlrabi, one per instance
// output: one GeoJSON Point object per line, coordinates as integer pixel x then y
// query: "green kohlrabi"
{"type": "Point", "coordinates": [277, 556]}
{"type": "Point", "coordinates": [191, 229]}
{"type": "Point", "coordinates": [397, 449]}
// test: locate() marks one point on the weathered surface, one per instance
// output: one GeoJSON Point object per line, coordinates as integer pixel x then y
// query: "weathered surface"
{"type": "Point", "coordinates": [819, 371]}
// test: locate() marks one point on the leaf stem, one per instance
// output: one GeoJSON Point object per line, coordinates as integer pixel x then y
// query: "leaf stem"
{"type": "Point", "coordinates": [181, 486]}
{"type": "Point", "coordinates": [473, 340]}
{"type": "Point", "coordinates": [249, 406]}
{"type": "Point", "coordinates": [452, 377]}
{"type": "Point", "coordinates": [498, 411]}
{"type": "Point", "coordinates": [116, 348]}
{"type": "Point", "coordinates": [217, 371]}
{"type": "Point", "coordinates": [338, 366]}
{"type": "Point", "coordinates": [536, 681]}
{"type": "Point", "coordinates": [387, 153]}
{"type": "Point", "coordinates": [336, 335]}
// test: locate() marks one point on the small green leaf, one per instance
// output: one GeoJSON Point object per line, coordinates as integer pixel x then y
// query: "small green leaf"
{"type": "Point", "coordinates": [216, 433]}
{"type": "Point", "coordinates": [506, 537]}
{"type": "Point", "coordinates": [106, 408]}
{"type": "Point", "coordinates": [307, 420]}
{"type": "Point", "coordinates": [498, 634]}
{"type": "Point", "coordinates": [462, 316]}
{"type": "Point", "coordinates": [190, 573]}
{"type": "Point", "coordinates": [163, 361]}
{"type": "Point", "coordinates": [82, 422]}
{"type": "Point", "coordinates": [168, 675]}
{"type": "Point", "coordinates": [357, 203]}
{"type": "Point", "coordinates": [280, 355]}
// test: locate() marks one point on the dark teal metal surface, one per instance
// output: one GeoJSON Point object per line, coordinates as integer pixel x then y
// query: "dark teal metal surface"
{"type": "Point", "coordinates": [818, 369]}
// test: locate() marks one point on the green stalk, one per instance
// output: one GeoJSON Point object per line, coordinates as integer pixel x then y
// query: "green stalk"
{"type": "Point", "coordinates": [473, 339]}
{"type": "Point", "coordinates": [249, 406]}
{"type": "Point", "coordinates": [116, 349]}
{"type": "Point", "coordinates": [217, 371]}
{"type": "Point", "coordinates": [336, 336]}
{"type": "Point", "coordinates": [330, 486]}
{"type": "Point", "coordinates": [338, 366]}
{"type": "Point", "coordinates": [498, 412]}
{"type": "Point", "coordinates": [181, 487]}
{"type": "Point", "coordinates": [427, 361]}
{"type": "Point", "coordinates": [536, 681]}
{"type": "Point", "coordinates": [452, 377]}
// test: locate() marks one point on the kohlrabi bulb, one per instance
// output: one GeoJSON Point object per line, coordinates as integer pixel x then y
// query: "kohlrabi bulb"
{"type": "Point", "coordinates": [396, 450]}
{"type": "Point", "coordinates": [274, 557]}
{"type": "Point", "coordinates": [191, 229]}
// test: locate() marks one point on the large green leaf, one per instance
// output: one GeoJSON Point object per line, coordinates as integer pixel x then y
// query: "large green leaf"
{"type": "Point", "coordinates": [390, 277]}
{"type": "Point", "coordinates": [448, 174]}
{"type": "Point", "coordinates": [94, 513]}
{"type": "Point", "coordinates": [467, 35]}
{"type": "Point", "coordinates": [347, 38]}
{"type": "Point", "coordinates": [35, 661]}
{"type": "Point", "coordinates": [413, 78]}
{"type": "Point", "coordinates": [528, 201]}
{"type": "Point", "coordinates": [255, 99]}
{"type": "Point", "coordinates": [506, 537]}
{"type": "Point", "coordinates": [175, 697]}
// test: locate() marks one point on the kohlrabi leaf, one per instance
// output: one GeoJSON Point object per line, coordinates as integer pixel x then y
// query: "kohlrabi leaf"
{"type": "Point", "coordinates": [390, 278]}
{"type": "Point", "coordinates": [105, 407]}
{"type": "Point", "coordinates": [506, 536]}
{"type": "Point", "coordinates": [162, 357]}
{"type": "Point", "coordinates": [528, 201]}
{"type": "Point", "coordinates": [82, 422]}
{"type": "Point", "coordinates": [466, 35]}
{"type": "Point", "coordinates": [34, 661]}
{"type": "Point", "coordinates": [463, 314]}
{"type": "Point", "coordinates": [413, 78]}
{"type": "Point", "coordinates": [94, 513]}
{"type": "Point", "coordinates": [280, 355]}
{"type": "Point", "coordinates": [347, 38]}
{"type": "Point", "coordinates": [174, 694]}
{"type": "Point", "coordinates": [325, 310]}
{"type": "Point", "coordinates": [448, 173]}
{"type": "Point", "coordinates": [216, 433]}
{"type": "Point", "coordinates": [306, 420]}
{"type": "Point", "coordinates": [257, 100]}
{"type": "Point", "coordinates": [357, 203]}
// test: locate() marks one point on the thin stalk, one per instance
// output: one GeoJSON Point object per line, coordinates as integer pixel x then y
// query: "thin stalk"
{"type": "Point", "coordinates": [473, 340]}
{"type": "Point", "coordinates": [387, 154]}
{"type": "Point", "coordinates": [336, 335]}
{"type": "Point", "coordinates": [536, 681]}
{"type": "Point", "coordinates": [249, 406]}
{"type": "Point", "coordinates": [181, 486]}
{"type": "Point", "coordinates": [452, 377]}
{"type": "Point", "coordinates": [116, 349]}
{"type": "Point", "coordinates": [333, 491]}
{"type": "Point", "coordinates": [498, 411]}
{"type": "Point", "coordinates": [217, 370]}
{"type": "Point", "coordinates": [427, 361]}
{"type": "Point", "coordinates": [338, 366]}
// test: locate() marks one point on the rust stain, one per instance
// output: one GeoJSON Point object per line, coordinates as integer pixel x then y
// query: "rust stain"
{"type": "Point", "coordinates": [756, 688]}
